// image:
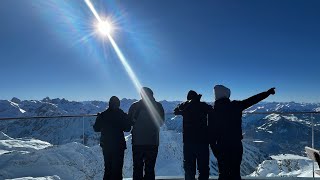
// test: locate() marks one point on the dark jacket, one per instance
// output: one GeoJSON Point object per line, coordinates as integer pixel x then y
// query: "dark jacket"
{"type": "Point", "coordinates": [225, 120]}
{"type": "Point", "coordinates": [146, 126]}
{"type": "Point", "coordinates": [195, 125]}
{"type": "Point", "coordinates": [112, 123]}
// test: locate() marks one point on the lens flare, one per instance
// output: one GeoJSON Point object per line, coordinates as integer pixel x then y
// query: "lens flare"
{"type": "Point", "coordinates": [105, 28]}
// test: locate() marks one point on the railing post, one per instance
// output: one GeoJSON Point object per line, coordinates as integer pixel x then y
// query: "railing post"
{"type": "Point", "coordinates": [83, 140]}
{"type": "Point", "coordinates": [312, 142]}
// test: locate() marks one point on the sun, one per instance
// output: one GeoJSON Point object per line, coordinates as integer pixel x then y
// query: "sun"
{"type": "Point", "coordinates": [104, 27]}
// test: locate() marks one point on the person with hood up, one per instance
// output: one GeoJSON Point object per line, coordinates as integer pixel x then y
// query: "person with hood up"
{"type": "Point", "coordinates": [147, 115]}
{"type": "Point", "coordinates": [195, 137]}
{"type": "Point", "coordinates": [225, 130]}
{"type": "Point", "coordinates": [112, 123]}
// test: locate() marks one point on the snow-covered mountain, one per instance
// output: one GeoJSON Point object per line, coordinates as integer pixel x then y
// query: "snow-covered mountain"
{"type": "Point", "coordinates": [285, 165]}
{"type": "Point", "coordinates": [275, 134]}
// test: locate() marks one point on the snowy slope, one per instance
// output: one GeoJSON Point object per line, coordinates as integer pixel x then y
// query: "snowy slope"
{"type": "Point", "coordinates": [38, 178]}
{"type": "Point", "coordinates": [26, 157]}
{"type": "Point", "coordinates": [285, 165]}
{"type": "Point", "coordinates": [35, 158]}
{"type": "Point", "coordinates": [282, 133]}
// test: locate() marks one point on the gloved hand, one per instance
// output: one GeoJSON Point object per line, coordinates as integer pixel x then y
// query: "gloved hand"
{"type": "Point", "coordinates": [272, 91]}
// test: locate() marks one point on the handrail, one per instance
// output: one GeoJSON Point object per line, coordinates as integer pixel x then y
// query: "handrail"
{"type": "Point", "coordinates": [47, 117]}
{"type": "Point", "coordinates": [93, 115]}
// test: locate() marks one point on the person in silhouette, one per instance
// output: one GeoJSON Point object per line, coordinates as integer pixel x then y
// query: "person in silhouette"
{"type": "Point", "coordinates": [195, 138]}
{"type": "Point", "coordinates": [225, 130]}
{"type": "Point", "coordinates": [112, 123]}
{"type": "Point", "coordinates": [147, 115]}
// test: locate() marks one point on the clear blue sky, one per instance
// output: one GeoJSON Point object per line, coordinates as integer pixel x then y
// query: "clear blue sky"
{"type": "Point", "coordinates": [172, 45]}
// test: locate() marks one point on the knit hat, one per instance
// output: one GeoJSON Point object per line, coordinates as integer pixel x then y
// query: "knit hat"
{"type": "Point", "coordinates": [221, 92]}
{"type": "Point", "coordinates": [191, 95]}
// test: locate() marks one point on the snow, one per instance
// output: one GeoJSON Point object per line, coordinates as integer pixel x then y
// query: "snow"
{"type": "Point", "coordinates": [285, 165]}
{"type": "Point", "coordinates": [68, 161]}
{"type": "Point", "coordinates": [38, 178]}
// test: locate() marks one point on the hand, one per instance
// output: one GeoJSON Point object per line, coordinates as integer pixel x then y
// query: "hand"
{"type": "Point", "coordinates": [272, 91]}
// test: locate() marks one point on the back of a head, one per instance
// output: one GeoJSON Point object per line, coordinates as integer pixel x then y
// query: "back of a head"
{"type": "Point", "coordinates": [192, 95]}
{"type": "Point", "coordinates": [146, 93]}
{"type": "Point", "coordinates": [221, 92]}
{"type": "Point", "coordinates": [114, 102]}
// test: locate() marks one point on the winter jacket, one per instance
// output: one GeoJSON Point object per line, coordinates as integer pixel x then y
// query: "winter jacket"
{"type": "Point", "coordinates": [146, 126]}
{"type": "Point", "coordinates": [112, 123]}
{"type": "Point", "coordinates": [225, 120]}
{"type": "Point", "coordinates": [195, 125]}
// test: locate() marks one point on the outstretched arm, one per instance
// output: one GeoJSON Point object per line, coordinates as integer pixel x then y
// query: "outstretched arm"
{"type": "Point", "coordinates": [180, 108]}
{"type": "Point", "coordinates": [256, 98]}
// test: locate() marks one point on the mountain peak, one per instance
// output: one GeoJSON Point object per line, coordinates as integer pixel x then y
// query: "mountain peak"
{"type": "Point", "coordinates": [16, 100]}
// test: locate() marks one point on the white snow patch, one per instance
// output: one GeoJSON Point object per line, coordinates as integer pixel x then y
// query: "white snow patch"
{"type": "Point", "coordinates": [38, 178]}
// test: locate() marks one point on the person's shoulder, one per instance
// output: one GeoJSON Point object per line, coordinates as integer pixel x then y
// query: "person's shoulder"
{"type": "Point", "coordinates": [158, 103]}
{"type": "Point", "coordinates": [135, 104]}
{"type": "Point", "coordinates": [235, 102]}
{"type": "Point", "coordinates": [104, 112]}
{"type": "Point", "coordinates": [204, 104]}
{"type": "Point", "coordinates": [119, 110]}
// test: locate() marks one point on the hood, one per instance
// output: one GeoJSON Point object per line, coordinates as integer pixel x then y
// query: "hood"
{"type": "Point", "coordinates": [221, 92]}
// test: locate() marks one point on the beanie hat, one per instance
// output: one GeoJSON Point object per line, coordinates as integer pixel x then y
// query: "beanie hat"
{"type": "Point", "coordinates": [221, 92]}
{"type": "Point", "coordinates": [191, 95]}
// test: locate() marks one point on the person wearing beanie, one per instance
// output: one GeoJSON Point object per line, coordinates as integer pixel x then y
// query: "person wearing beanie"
{"type": "Point", "coordinates": [112, 123]}
{"type": "Point", "coordinates": [225, 130]}
{"type": "Point", "coordinates": [147, 116]}
{"type": "Point", "coordinates": [195, 137]}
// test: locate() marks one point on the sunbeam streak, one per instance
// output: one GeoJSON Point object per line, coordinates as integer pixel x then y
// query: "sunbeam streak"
{"type": "Point", "coordinates": [93, 10]}
{"type": "Point", "coordinates": [151, 108]}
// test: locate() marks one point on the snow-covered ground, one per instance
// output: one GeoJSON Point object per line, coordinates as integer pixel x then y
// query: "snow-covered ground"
{"type": "Point", "coordinates": [286, 165]}
{"type": "Point", "coordinates": [37, 178]}
{"type": "Point", "coordinates": [25, 157]}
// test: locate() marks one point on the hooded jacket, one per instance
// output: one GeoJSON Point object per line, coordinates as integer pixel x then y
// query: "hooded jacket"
{"type": "Point", "coordinates": [146, 126]}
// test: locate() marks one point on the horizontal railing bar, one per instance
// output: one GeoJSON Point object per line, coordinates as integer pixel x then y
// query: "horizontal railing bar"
{"type": "Point", "coordinates": [292, 112]}
{"type": "Point", "coordinates": [47, 117]}
{"type": "Point", "coordinates": [93, 115]}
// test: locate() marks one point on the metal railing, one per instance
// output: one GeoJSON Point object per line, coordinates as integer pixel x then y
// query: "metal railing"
{"type": "Point", "coordinates": [93, 115]}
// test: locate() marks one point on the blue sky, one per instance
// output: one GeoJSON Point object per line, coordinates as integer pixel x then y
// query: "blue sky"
{"type": "Point", "coordinates": [173, 46]}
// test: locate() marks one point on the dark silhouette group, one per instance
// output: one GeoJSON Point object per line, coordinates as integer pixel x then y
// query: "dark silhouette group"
{"type": "Point", "coordinates": [218, 126]}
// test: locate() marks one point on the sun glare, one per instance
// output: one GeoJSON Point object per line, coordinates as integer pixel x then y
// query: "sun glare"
{"type": "Point", "coordinates": [104, 27]}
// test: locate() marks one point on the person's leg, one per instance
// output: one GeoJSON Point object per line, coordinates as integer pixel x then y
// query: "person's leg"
{"type": "Point", "coordinates": [150, 162]}
{"type": "Point", "coordinates": [137, 156]}
{"type": "Point", "coordinates": [189, 161]}
{"type": "Point", "coordinates": [107, 164]}
{"type": "Point", "coordinates": [203, 161]}
{"type": "Point", "coordinates": [235, 162]}
{"type": "Point", "coordinates": [117, 164]}
{"type": "Point", "coordinates": [221, 155]}
{"type": "Point", "coordinates": [215, 152]}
